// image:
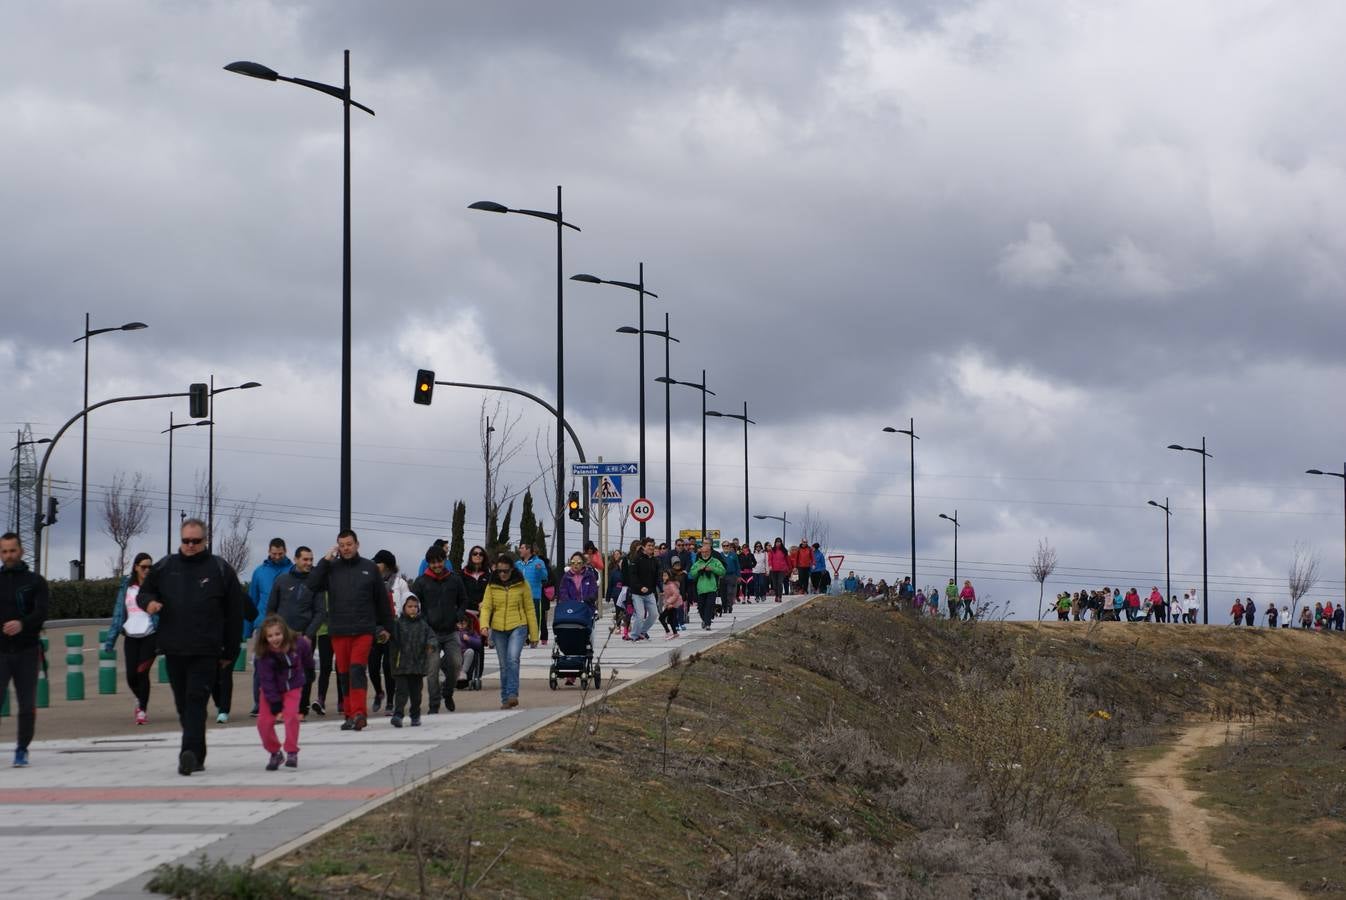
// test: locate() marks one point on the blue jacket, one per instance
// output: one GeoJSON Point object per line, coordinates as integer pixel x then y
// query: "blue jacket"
{"type": "Point", "coordinates": [119, 616]}
{"type": "Point", "coordinates": [534, 572]}
{"type": "Point", "coordinates": [730, 565]}
{"type": "Point", "coordinates": [819, 561]}
{"type": "Point", "coordinates": [852, 584]}
{"type": "Point", "coordinates": [259, 590]}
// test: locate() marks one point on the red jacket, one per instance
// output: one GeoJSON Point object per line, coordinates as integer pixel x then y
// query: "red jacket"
{"type": "Point", "coordinates": [778, 559]}
{"type": "Point", "coordinates": [802, 557]}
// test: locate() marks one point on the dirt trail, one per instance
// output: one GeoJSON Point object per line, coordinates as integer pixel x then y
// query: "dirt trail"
{"type": "Point", "coordinates": [1161, 783]}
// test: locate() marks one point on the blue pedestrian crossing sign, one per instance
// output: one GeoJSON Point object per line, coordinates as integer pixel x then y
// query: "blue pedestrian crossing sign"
{"type": "Point", "coordinates": [606, 489]}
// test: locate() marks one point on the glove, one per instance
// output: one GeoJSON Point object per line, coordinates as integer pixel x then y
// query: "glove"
{"type": "Point", "coordinates": [276, 707]}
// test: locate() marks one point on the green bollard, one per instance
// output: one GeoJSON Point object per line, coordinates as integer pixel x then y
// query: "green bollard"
{"type": "Point", "coordinates": [43, 686]}
{"type": "Point", "coordinates": [163, 670]}
{"type": "Point", "coordinates": [241, 661]}
{"type": "Point", "coordinates": [74, 666]}
{"type": "Point", "coordinates": [107, 667]}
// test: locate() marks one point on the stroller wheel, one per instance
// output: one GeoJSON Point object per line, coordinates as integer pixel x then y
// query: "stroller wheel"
{"type": "Point", "coordinates": [552, 682]}
{"type": "Point", "coordinates": [584, 683]}
{"type": "Point", "coordinates": [475, 684]}
{"type": "Point", "coordinates": [598, 678]}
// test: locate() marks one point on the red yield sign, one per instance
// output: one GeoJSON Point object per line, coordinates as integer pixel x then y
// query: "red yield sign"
{"type": "Point", "coordinates": [836, 560]}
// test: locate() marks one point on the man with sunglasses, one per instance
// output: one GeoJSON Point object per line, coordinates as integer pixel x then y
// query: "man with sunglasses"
{"type": "Point", "coordinates": [199, 602]}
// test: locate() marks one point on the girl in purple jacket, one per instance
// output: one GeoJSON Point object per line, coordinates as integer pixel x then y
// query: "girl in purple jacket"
{"type": "Point", "coordinates": [284, 665]}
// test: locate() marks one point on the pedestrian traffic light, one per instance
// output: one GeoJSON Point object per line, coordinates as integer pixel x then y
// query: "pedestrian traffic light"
{"type": "Point", "coordinates": [198, 400]}
{"type": "Point", "coordinates": [425, 387]}
{"type": "Point", "coordinates": [52, 504]}
{"type": "Point", "coordinates": [573, 504]}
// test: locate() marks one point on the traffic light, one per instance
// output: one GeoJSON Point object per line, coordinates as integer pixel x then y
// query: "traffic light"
{"type": "Point", "coordinates": [425, 387]}
{"type": "Point", "coordinates": [52, 504]}
{"type": "Point", "coordinates": [198, 400]}
{"type": "Point", "coordinates": [573, 504]}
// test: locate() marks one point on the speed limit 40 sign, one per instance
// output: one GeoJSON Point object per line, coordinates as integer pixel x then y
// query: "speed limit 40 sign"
{"type": "Point", "coordinates": [642, 510]}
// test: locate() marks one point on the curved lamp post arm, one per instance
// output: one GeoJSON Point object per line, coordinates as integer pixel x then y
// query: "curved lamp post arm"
{"type": "Point", "coordinates": [534, 397]}
{"type": "Point", "coordinates": [38, 525]}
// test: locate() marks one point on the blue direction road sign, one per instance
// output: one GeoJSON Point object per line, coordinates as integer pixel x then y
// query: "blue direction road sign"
{"type": "Point", "coordinates": [604, 468]}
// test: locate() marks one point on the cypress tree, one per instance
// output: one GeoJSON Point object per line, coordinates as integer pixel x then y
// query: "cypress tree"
{"type": "Point", "coordinates": [503, 538]}
{"type": "Point", "coordinates": [456, 549]}
{"type": "Point", "coordinates": [527, 521]}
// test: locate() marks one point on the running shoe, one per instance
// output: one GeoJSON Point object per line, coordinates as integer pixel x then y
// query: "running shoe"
{"type": "Point", "coordinates": [292, 760]}
{"type": "Point", "coordinates": [274, 763]}
{"type": "Point", "coordinates": [20, 759]}
{"type": "Point", "coordinates": [186, 762]}
{"type": "Point", "coordinates": [222, 719]}
{"type": "Point", "coordinates": [360, 722]}
{"type": "Point", "coordinates": [318, 708]}
{"type": "Point", "coordinates": [141, 718]}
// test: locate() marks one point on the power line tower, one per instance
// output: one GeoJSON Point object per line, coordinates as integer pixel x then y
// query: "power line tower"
{"type": "Point", "coordinates": [22, 480]}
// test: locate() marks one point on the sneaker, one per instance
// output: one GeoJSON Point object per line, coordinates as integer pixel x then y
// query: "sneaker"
{"type": "Point", "coordinates": [20, 759]}
{"type": "Point", "coordinates": [396, 721]}
{"type": "Point", "coordinates": [360, 723]}
{"type": "Point", "coordinates": [141, 718]}
{"type": "Point", "coordinates": [448, 703]}
{"type": "Point", "coordinates": [378, 701]}
{"type": "Point", "coordinates": [415, 721]}
{"type": "Point", "coordinates": [274, 763]}
{"type": "Point", "coordinates": [318, 708]}
{"type": "Point", "coordinates": [186, 762]}
{"type": "Point", "coordinates": [292, 760]}
{"type": "Point", "coordinates": [253, 713]}
{"type": "Point", "coordinates": [504, 704]}
{"type": "Point", "coordinates": [670, 636]}
{"type": "Point", "coordinates": [348, 725]}
{"type": "Point", "coordinates": [222, 719]}
{"type": "Point", "coordinates": [544, 642]}
{"type": "Point", "coordinates": [512, 702]}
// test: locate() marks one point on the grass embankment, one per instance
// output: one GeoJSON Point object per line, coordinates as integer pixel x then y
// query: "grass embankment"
{"type": "Point", "coordinates": [842, 750]}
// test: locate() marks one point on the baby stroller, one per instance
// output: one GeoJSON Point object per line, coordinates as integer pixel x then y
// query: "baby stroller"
{"type": "Point", "coordinates": [573, 652]}
{"type": "Point", "coordinates": [474, 657]}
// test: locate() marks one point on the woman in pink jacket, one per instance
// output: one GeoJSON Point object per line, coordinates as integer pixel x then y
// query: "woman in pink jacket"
{"type": "Point", "coordinates": [969, 598]}
{"type": "Point", "coordinates": [778, 562]}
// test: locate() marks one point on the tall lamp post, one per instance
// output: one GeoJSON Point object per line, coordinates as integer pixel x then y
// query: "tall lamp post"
{"type": "Point", "coordinates": [639, 288]}
{"type": "Point", "coordinates": [704, 391]}
{"type": "Point", "coordinates": [1205, 593]}
{"type": "Point", "coordinates": [954, 519]}
{"type": "Point", "coordinates": [343, 93]}
{"type": "Point", "coordinates": [668, 425]}
{"type": "Point", "coordinates": [90, 333]}
{"type": "Point", "coordinates": [558, 526]}
{"type": "Point", "coordinates": [210, 463]}
{"type": "Point", "coordinates": [1168, 571]}
{"type": "Point", "coordinates": [781, 519]}
{"type": "Point", "coordinates": [910, 431]}
{"type": "Point", "coordinates": [168, 512]}
{"type": "Point", "coordinates": [1342, 476]}
{"type": "Point", "coordinates": [746, 422]}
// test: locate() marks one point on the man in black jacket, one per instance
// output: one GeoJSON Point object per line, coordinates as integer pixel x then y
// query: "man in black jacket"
{"type": "Point", "coordinates": [304, 611]}
{"type": "Point", "coordinates": [443, 598]}
{"type": "Point", "coordinates": [358, 610]}
{"type": "Point", "coordinates": [199, 601]}
{"type": "Point", "coordinates": [23, 609]}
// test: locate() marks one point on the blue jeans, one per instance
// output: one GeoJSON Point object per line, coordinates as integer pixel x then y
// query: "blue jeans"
{"type": "Point", "coordinates": [508, 649]}
{"type": "Point", "coordinates": [645, 615]}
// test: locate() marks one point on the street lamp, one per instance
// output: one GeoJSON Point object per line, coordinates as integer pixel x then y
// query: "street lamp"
{"type": "Point", "coordinates": [704, 391]}
{"type": "Point", "coordinates": [84, 455]}
{"type": "Point", "coordinates": [1342, 476]}
{"type": "Point", "coordinates": [1168, 571]}
{"type": "Point", "coordinates": [1205, 594]}
{"type": "Point", "coordinates": [343, 93]}
{"type": "Point", "coordinates": [781, 519]}
{"type": "Point", "coordinates": [168, 512]}
{"type": "Point", "coordinates": [910, 431]}
{"type": "Point", "coordinates": [210, 464]}
{"type": "Point", "coordinates": [746, 422]}
{"type": "Point", "coordinates": [954, 519]}
{"type": "Point", "coordinates": [18, 435]}
{"type": "Point", "coordinates": [639, 288]}
{"type": "Point", "coordinates": [561, 224]}
{"type": "Point", "coordinates": [668, 426]}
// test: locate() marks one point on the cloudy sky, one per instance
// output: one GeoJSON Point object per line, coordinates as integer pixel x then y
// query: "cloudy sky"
{"type": "Point", "coordinates": [1059, 235]}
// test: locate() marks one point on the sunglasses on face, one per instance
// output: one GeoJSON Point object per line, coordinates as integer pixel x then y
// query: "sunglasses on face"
{"type": "Point", "coordinates": [192, 542]}
{"type": "Point", "coordinates": [477, 553]}
{"type": "Point", "coordinates": [502, 571]}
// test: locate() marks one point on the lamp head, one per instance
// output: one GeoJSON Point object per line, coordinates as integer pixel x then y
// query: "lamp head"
{"type": "Point", "coordinates": [253, 70]}
{"type": "Point", "coordinates": [1152, 503]}
{"type": "Point", "coordinates": [134, 326]}
{"type": "Point", "coordinates": [888, 429]}
{"type": "Point", "coordinates": [586, 278]}
{"type": "Point", "coordinates": [489, 206]}
{"type": "Point", "coordinates": [664, 379]}
{"type": "Point", "coordinates": [249, 384]}
{"type": "Point", "coordinates": [1314, 472]}
{"type": "Point", "coordinates": [711, 412]}
{"type": "Point", "coordinates": [1176, 447]}
{"type": "Point", "coordinates": [628, 329]}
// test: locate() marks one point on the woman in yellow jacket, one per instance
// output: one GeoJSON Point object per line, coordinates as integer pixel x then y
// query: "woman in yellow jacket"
{"type": "Point", "coordinates": [508, 620]}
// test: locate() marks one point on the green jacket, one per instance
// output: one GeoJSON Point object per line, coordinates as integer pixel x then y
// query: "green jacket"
{"type": "Point", "coordinates": [707, 574]}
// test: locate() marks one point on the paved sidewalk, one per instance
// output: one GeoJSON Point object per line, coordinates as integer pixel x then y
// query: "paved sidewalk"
{"type": "Point", "coordinates": [94, 816]}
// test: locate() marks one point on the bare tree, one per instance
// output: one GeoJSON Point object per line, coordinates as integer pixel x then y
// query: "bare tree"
{"type": "Point", "coordinates": [499, 445]}
{"type": "Point", "coordinates": [126, 514]}
{"type": "Point", "coordinates": [1042, 565]}
{"type": "Point", "coordinates": [1302, 577]}
{"type": "Point", "coordinates": [814, 528]}
{"type": "Point", "coordinates": [544, 449]}
{"type": "Point", "coordinates": [234, 523]}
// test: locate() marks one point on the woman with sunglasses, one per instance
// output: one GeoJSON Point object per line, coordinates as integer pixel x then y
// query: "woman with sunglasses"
{"type": "Point", "coordinates": [138, 627]}
{"type": "Point", "coordinates": [508, 620]}
{"type": "Point", "coordinates": [476, 575]}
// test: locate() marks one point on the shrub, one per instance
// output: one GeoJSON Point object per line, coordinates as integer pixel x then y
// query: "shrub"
{"type": "Point", "coordinates": [82, 599]}
{"type": "Point", "coordinates": [218, 880]}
